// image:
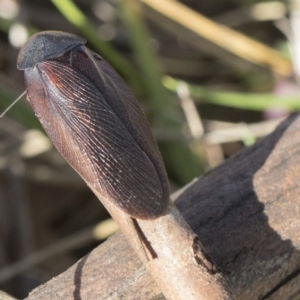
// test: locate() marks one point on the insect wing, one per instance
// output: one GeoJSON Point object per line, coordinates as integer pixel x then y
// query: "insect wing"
{"type": "Point", "coordinates": [125, 106]}
{"type": "Point", "coordinates": [76, 114]}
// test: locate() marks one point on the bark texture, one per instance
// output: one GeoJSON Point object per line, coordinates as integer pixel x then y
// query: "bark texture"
{"type": "Point", "coordinates": [246, 214]}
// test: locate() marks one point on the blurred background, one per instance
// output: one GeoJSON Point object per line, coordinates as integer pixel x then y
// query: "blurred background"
{"type": "Point", "coordinates": [212, 76]}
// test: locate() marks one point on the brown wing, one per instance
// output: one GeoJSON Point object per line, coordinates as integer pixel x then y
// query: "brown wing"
{"type": "Point", "coordinates": [124, 105]}
{"type": "Point", "coordinates": [76, 114]}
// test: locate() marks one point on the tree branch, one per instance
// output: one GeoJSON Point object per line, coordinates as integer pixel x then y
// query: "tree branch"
{"type": "Point", "coordinates": [246, 214]}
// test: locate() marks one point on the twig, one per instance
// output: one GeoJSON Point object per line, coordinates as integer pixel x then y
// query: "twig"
{"type": "Point", "coordinates": [173, 248]}
{"type": "Point", "coordinates": [5, 296]}
{"type": "Point", "coordinates": [191, 113]}
{"type": "Point", "coordinates": [237, 132]}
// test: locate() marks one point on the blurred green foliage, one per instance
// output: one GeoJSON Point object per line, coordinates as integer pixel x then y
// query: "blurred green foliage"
{"type": "Point", "coordinates": [257, 101]}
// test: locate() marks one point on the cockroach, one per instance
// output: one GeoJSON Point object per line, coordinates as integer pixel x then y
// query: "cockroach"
{"type": "Point", "coordinates": [95, 122]}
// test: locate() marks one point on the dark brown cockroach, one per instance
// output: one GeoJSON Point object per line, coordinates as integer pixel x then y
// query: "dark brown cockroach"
{"type": "Point", "coordinates": [95, 122]}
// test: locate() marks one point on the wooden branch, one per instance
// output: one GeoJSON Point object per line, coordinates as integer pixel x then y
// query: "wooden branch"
{"type": "Point", "coordinates": [5, 296]}
{"type": "Point", "coordinates": [173, 255]}
{"type": "Point", "coordinates": [246, 214]}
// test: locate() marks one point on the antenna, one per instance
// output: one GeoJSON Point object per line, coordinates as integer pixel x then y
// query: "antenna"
{"type": "Point", "coordinates": [13, 104]}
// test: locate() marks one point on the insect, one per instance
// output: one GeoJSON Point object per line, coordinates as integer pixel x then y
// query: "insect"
{"type": "Point", "coordinates": [95, 122]}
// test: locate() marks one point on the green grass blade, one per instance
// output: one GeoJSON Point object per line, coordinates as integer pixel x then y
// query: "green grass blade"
{"type": "Point", "coordinates": [257, 102]}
